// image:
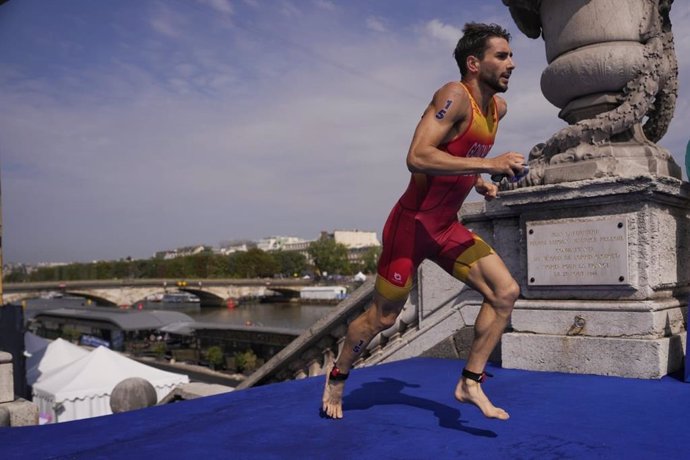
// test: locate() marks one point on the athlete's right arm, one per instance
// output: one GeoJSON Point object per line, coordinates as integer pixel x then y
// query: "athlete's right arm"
{"type": "Point", "coordinates": [447, 114]}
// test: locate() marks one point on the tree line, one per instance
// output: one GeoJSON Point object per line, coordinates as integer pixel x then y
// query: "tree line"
{"type": "Point", "coordinates": [326, 258]}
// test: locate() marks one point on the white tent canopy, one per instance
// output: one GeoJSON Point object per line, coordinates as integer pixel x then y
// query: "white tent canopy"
{"type": "Point", "coordinates": [57, 354]}
{"type": "Point", "coordinates": [82, 389]}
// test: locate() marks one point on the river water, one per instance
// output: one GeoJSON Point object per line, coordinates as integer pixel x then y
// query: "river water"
{"type": "Point", "coordinates": [291, 316]}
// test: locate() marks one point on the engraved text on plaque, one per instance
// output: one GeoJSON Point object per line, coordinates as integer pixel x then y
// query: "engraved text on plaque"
{"type": "Point", "coordinates": [577, 252]}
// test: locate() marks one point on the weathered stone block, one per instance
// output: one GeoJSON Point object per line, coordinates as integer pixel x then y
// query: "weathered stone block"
{"type": "Point", "coordinates": [638, 358]}
{"type": "Point", "coordinates": [435, 287]}
{"type": "Point", "coordinates": [6, 378]}
{"type": "Point", "coordinates": [21, 413]}
{"type": "Point", "coordinates": [641, 319]}
{"type": "Point", "coordinates": [445, 349]}
{"type": "Point", "coordinates": [4, 417]}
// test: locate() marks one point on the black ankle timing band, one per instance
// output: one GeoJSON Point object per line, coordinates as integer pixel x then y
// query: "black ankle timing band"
{"type": "Point", "coordinates": [474, 376]}
{"type": "Point", "coordinates": [338, 376]}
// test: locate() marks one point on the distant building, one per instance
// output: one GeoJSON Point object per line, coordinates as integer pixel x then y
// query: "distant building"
{"type": "Point", "coordinates": [355, 239]}
{"type": "Point", "coordinates": [278, 243]}
{"type": "Point", "coordinates": [116, 326]}
{"type": "Point", "coordinates": [231, 247]}
{"type": "Point", "coordinates": [301, 246]}
{"type": "Point", "coordinates": [243, 247]}
{"type": "Point", "coordinates": [182, 252]}
{"type": "Point", "coordinates": [357, 242]}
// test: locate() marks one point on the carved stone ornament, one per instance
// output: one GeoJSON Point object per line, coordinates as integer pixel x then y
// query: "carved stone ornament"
{"type": "Point", "coordinates": [612, 65]}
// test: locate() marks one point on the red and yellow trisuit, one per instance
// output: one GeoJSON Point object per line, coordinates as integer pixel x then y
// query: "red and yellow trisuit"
{"type": "Point", "coordinates": [424, 222]}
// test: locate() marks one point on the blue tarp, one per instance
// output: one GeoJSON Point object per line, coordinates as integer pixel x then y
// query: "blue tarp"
{"type": "Point", "coordinates": [91, 341]}
{"type": "Point", "coordinates": [401, 410]}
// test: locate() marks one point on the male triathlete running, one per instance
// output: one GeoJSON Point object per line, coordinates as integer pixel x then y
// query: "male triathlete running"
{"type": "Point", "coordinates": [446, 156]}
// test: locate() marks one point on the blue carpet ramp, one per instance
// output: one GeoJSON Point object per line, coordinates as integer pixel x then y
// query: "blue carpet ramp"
{"type": "Point", "coordinates": [402, 410]}
{"type": "Point", "coordinates": [687, 345]}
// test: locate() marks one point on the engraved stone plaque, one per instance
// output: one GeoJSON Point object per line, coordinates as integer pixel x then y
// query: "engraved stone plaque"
{"type": "Point", "coordinates": [577, 252]}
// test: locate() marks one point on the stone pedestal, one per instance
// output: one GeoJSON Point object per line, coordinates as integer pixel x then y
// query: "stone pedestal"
{"type": "Point", "coordinates": [604, 270]}
{"type": "Point", "coordinates": [13, 412]}
{"type": "Point", "coordinates": [6, 378]}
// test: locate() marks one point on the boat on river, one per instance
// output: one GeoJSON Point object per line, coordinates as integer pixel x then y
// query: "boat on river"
{"type": "Point", "coordinates": [179, 297]}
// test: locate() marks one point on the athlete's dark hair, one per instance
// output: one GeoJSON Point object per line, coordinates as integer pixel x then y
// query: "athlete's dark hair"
{"type": "Point", "coordinates": [474, 42]}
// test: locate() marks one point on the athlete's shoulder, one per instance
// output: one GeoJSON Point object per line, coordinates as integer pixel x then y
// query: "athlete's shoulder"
{"type": "Point", "coordinates": [454, 88]}
{"type": "Point", "coordinates": [452, 97]}
{"type": "Point", "coordinates": [501, 106]}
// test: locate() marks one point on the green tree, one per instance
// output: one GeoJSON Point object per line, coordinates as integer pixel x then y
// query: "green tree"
{"type": "Point", "coordinates": [329, 257]}
{"type": "Point", "coordinates": [175, 268]}
{"type": "Point", "coordinates": [214, 356]}
{"type": "Point", "coordinates": [254, 263]}
{"type": "Point", "coordinates": [159, 349]}
{"type": "Point", "coordinates": [290, 263]}
{"type": "Point", "coordinates": [121, 269]}
{"type": "Point", "coordinates": [16, 275]}
{"type": "Point", "coordinates": [246, 361]}
{"type": "Point", "coordinates": [370, 260]}
{"type": "Point", "coordinates": [198, 265]}
{"type": "Point", "coordinates": [71, 334]}
{"type": "Point", "coordinates": [102, 270]}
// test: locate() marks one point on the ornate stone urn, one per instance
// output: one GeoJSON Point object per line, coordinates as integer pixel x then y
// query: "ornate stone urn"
{"type": "Point", "coordinates": [613, 73]}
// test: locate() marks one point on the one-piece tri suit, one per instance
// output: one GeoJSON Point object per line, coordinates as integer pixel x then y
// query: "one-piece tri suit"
{"type": "Point", "coordinates": [424, 222]}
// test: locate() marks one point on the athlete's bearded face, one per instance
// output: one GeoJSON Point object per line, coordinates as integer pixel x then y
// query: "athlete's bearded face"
{"type": "Point", "coordinates": [496, 65]}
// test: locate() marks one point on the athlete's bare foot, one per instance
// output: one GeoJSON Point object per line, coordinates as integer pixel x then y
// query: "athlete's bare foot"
{"type": "Point", "coordinates": [332, 401]}
{"type": "Point", "coordinates": [469, 391]}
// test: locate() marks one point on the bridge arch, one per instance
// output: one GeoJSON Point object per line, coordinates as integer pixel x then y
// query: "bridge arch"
{"type": "Point", "coordinates": [206, 296]}
{"type": "Point", "coordinates": [98, 299]}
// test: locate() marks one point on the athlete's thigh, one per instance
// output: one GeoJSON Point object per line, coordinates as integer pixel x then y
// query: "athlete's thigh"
{"type": "Point", "coordinates": [458, 250]}
{"type": "Point", "coordinates": [468, 258]}
{"type": "Point", "coordinates": [489, 274]}
{"type": "Point", "coordinates": [397, 261]}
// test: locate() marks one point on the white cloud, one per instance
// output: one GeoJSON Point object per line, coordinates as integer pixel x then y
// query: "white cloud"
{"type": "Point", "coordinates": [166, 22]}
{"type": "Point", "coordinates": [325, 5]}
{"type": "Point", "coordinates": [444, 32]}
{"type": "Point", "coordinates": [376, 24]}
{"type": "Point", "coordinates": [289, 9]}
{"type": "Point", "coordinates": [222, 6]}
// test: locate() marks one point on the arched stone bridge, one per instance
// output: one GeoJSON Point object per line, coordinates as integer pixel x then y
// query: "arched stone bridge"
{"type": "Point", "coordinates": [131, 291]}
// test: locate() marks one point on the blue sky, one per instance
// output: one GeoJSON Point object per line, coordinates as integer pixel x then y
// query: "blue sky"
{"type": "Point", "coordinates": [135, 126]}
